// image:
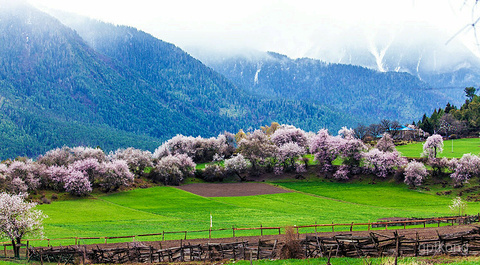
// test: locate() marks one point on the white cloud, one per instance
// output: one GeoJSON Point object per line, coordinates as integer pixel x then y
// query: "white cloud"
{"type": "Point", "coordinates": [296, 28]}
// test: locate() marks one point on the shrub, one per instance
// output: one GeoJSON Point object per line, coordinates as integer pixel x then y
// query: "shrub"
{"type": "Point", "coordinates": [322, 146]}
{"type": "Point", "coordinates": [213, 173]}
{"type": "Point", "coordinates": [77, 184]}
{"type": "Point", "coordinates": [342, 173]}
{"type": "Point", "coordinates": [288, 153]}
{"type": "Point", "coordinates": [136, 159]}
{"type": "Point", "coordinates": [385, 144]}
{"type": "Point", "coordinates": [383, 163]}
{"type": "Point", "coordinates": [56, 176]}
{"type": "Point", "coordinates": [292, 248]}
{"type": "Point", "coordinates": [65, 156]}
{"type": "Point", "coordinates": [465, 168]}
{"type": "Point", "coordinates": [237, 165]}
{"type": "Point", "coordinates": [415, 173]}
{"type": "Point", "coordinates": [90, 167]}
{"type": "Point", "coordinates": [257, 148]}
{"type": "Point", "coordinates": [21, 175]}
{"type": "Point", "coordinates": [46, 201]}
{"type": "Point", "coordinates": [115, 174]}
{"type": "Point", "coordinates": [289, 134]}
{"type": "Point", "coordinates": [173, 169]}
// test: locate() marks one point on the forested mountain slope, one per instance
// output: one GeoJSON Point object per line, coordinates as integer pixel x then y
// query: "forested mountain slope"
{"type": "Point", "coordinates": [353, 89]}
{"type": "Point", "coordinates": [121, 87]}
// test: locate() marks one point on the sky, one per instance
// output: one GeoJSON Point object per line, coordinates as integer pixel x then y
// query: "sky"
{"type": "Point", "coordinates": [297, 28]}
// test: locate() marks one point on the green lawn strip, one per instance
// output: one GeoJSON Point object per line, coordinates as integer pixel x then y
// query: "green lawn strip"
{"type": "Point", "coordinates": [460, 147]}
{"type": "Point", "coordinates": [389, 195]}
{"type": "Point", "coordinates": [96, 218]}
{"type": "Point", "coordinates": [158, 209]}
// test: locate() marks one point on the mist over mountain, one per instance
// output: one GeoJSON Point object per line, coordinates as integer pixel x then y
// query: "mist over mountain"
{"type": "Point", "coordinates": [440, 59]}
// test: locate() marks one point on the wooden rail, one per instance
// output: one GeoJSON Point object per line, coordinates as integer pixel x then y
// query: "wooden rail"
{"type": "Point", "coordinates": [370, 225]}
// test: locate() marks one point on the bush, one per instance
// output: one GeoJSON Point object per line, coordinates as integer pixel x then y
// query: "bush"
{"type": "Point", "coordinates": [292, 248]}
{"type": "Point", "coordinates": [173, 169]}
{"type": "Point", "coordinates": [46, 201]}
{"type": "Point", "coordinates": [415, 173]}
{"type": "Point", "coordinates": [77, 184]}
{"type": "Point", "coordinates": [115, 175]}
{"type": "Point", "coordinates": [213, 173]}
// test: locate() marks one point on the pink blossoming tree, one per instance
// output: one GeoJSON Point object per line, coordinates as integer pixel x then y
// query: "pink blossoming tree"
{"type": "Point", "coordinates": [415, 173]}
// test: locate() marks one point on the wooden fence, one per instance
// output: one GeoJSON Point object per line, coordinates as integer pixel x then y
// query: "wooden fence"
{"type": "Point", "coordinates": [377, 245]}
{"type": "Point", "coordinates": [139, 253]}
{"type": "Point", "coordinates": [299, 229]}
{"type": "Point", "coordinates": [373, 245]}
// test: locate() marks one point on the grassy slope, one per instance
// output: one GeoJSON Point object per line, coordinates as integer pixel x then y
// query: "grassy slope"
{"type": "Point", "coordinates": [160, 209]}
{"type": "Point", "coordinates": [460, 147]}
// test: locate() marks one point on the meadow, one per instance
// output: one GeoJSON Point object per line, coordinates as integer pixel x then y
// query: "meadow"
{"type": "Point", "coordinates": [157, 209]}
{"type": "Point", "coordinates": [460, 147]}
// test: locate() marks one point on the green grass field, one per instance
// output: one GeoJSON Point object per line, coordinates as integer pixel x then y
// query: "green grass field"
{"type": "Point", "coordinates": [158, 209]}
{"type": "Point", "coordinates": [460, 147]}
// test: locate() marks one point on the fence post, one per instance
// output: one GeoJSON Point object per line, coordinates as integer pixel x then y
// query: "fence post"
{"type": "Point", "coordinates": [26, 251]}
{"type": "Point", "coordinates": [279, 232]}
{"type": "Point", "coordinates": [438, 223]}
{"type": "Point", "coordinates": [233, 230]}
{"type": "Point", "coordinates": [261, 230]}
{"type": "Point", "coordinates": [210, 233]}
{"type": "Point", "coordinates": [369, 225]}
{"type": "Point", "coordinates": [351, 227]}
{"type": "Point", "coordinates": [185, 235]}
{"type": "Point", "coordinates": [333, 227]}
{"type": "Point", "coordinates": [163, 235]}
{"type": "Point", "coordinates": [386, 226]}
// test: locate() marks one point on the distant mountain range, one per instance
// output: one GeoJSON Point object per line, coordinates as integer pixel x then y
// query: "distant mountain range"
{"type": "Point", "coordinates": [372, 94]}
{"type": "Point", "coordinates": [67, 80]}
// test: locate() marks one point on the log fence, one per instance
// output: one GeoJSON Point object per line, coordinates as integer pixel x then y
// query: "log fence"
{"type": "Point", "coordinates": [344, 245]}
{"type": "Point", "coordinates": [378, 245]}
{"type": "Point", "coordinates": [139, 253]}
{"type": "Point", "coordinates": [235, 230]}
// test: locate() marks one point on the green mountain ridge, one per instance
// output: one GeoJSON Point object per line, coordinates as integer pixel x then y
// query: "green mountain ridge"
{"type": "Point", "coordinates": [111, 91]}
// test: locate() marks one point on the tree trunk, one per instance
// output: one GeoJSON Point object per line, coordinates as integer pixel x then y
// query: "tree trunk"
{"type": "Point", "coordinates": [242, 179]}
{"type": "Point", "coordinates": [16, 247]}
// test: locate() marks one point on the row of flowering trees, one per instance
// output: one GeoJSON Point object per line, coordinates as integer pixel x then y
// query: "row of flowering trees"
{"type": "Point", "coordinates": [79, 170]}
{"type": "Point", "coordinates": [278, 148]}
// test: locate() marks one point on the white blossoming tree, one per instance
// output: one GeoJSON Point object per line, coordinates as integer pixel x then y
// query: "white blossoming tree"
{"type": "Point", "coordinates": [458, 206]}
{"type": "Point", "coordinates": [433, 146]}
{"type": "Point", "coordinates": [19, 218]}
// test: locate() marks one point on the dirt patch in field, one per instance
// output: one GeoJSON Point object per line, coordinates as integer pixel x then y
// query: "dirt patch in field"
{"type": "Point", "coordinates": [231, 189]}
